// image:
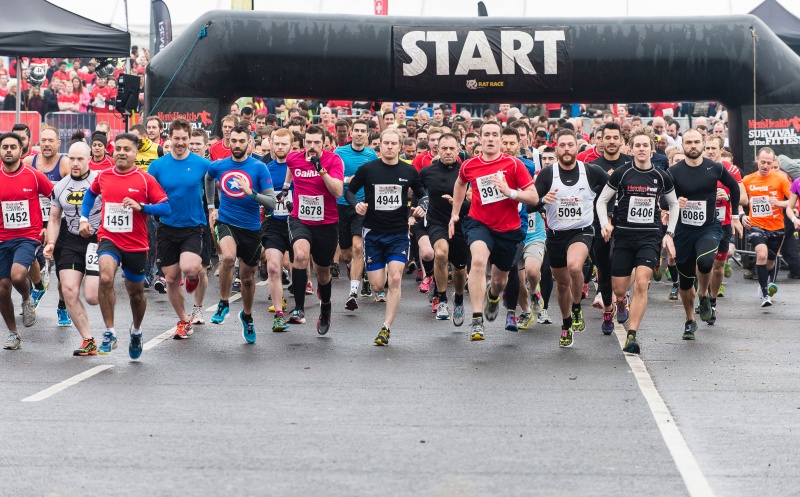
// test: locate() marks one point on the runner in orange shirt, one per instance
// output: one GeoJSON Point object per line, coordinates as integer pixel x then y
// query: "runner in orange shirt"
{"type": "Point", "coordinates": [768, 192]}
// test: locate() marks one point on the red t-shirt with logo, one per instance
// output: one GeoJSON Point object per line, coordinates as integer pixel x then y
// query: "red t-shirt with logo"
{"type": "Point", "coordinates": [137, 185]}
{"type": "Point", "coordinates": [219, 151]}
{"type": "Point", "coordinates": [501, 215]}
{"type": "Point", "coordinates": [423, 160]}
{"type": "Point", "coordinates": [107, 94]}
{"type": "Point", "coordinates": [106, 163]}
{"type": "Point", "coordinates": [19, 202]}
{"type": "Point", "coordinates": [726, 219]}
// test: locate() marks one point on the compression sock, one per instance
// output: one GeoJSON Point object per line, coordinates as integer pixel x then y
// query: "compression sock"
{"type": "Point", "coordinates": [325, 292]}
{"type": "Point", "coordinates": [299, 281]}
{"type": "Point", "coordinates": [763, 278]}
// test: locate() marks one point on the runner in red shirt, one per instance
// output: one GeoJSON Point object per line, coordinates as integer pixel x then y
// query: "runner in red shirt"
{"type": "Point", "coordinates": [129, 195]}
{"type": "Point", "coordinates": [100, 160]}
{"type": "Point", "coordinates": [424, 160]}
{"type": "Point", "coordinates": [222, 149]}
{"type": "Point", "coordinates": [492, 228]}
{"type": "Point", "coordinates": [20, 232]}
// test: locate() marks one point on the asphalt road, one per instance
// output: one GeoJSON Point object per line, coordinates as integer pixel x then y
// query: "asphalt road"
{"type": "Point", "coordinates": [432, 414]}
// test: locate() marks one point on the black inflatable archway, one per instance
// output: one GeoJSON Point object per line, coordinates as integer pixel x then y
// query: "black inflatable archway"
{"type": "Point", "coordinates": [482, 60]}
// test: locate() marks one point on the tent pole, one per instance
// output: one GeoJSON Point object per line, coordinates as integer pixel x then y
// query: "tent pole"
{"type": "Point", "coordinates": [19, 87]}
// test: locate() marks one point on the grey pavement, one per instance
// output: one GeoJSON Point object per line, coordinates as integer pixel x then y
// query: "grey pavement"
{"type": "Point", "coordinates": [431, 414]}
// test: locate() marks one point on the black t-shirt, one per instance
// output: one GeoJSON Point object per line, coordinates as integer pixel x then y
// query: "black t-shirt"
{"type": "Point", "coordinates": [698, 185]}
{"type": "Point", "coordinates": [386, 194]}
{"type": "Point", "coordinates": [637, 196]}
{"type": "Point", "coordinates": [439, 180]}
{"type": "Point", "coordinates": [595, 175]}
{"type": "Point", "coordinates": [609, 166]}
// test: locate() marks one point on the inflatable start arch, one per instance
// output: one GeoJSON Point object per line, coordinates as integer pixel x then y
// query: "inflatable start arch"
{"type": "Point", "coordinates": [486, 59]}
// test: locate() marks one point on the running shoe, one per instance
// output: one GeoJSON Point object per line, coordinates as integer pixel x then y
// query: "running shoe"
{"type": "Point", "coordinates": [721, 292]}
{"type": "Point", "coordinates": [713, 318]}
{"type": "Point", "coordinates": [766, 301]}
{"type": "Point", "coordinates": [442, 311]}
{"type": "Point", "coordinates": [309, 288]}
{"type": "Point", "coordinates": [36, 296]}
{"type": "Point", "coordinates": [88, 347]}
{"type": "Point", "coordinates": [490, 307]}
{"type": "Point", "coordinates": [598, 302]}
{"type": "Point", "coordinates": [585, 291]}
{"type": "Point", "coordinates": [689, 330]}
{"type": "Point", "coordinates": [160, 285]}
{"type": "Point", "coordinates": [704, 309]}
{"type": "Point", "coordinates": [458, 314]}
{"type": "Point", "coordinates": [191, 284]}
{"type": "Point", "coordinates": [135, 347]}
{"type": "Point", "coordinates": [352, 302]}
{"type": "Point", "coordinates": [668, 274]}
{"type": "Point", "coordinates": [772, 289]}
{"type": "Point", "coordinates": [222, 313]}
{"type": "Point", "coordinates": [383, 337]}
{"type": "Point", "coordinates": [148, 280]}
{"type": "Point", "coordinates": [108, 344]}
{"type": "Point", "coordinates": [279, 324]}
{"type": "Point", "coordinates": [578, 324]}
{"type": "Point", "coordinates": [425, 285]}
{"type": "Point", "coordinates": [419, 276]}
{"type": "Point", "coordinates": [380, 297]}
{"type": "Point", "coordinates": [673, 294]}
{"type": "Point", "coordinates": [631, 346]}
{"type": "Point", "coordinates": [297, 317]}
{"type": "Point", "coordinates": [411, 266]}
{"type": "Point", "coordinates": [197, 315]}
{"type": "Point", "coordinates": [608, 323]}
{"type": "Point", "coordinates": [476, 330]}
{"type": "Point", "coordinates": [324, 319]}
{"type": "Point", "coordinates": [237, 286]}
{"type": "Point", "coordinates": [181, 333]}
{"type": "Point", "coordinates": [727, 271]}
{"type": "Point", "coordinates": [565, 340]}
{"type": "Point", "coordinates": [366, 289]}
{"type": "Point", "coordinates": [544, 318]}
{"type": "Point", "coordinates": [285, 278]}
{"type": "Point", "coordinates": [536, 303]}
{"type": "Point", "coordinates": [63, 317]}
{"type": "Point", "coordinates": [524, 320]}
{"type": "Point", "coordinates": [622, 310]}
{"type": "Point", "coordinates": [13, 342]}
{"type": "Point", "coordinates": [657, 273]}
{"type": "Point", "coordinates": [434, 303]}
{"type": "Point", "coordinates": [511, 322]}
{"type": "Point", "coordinates": [263, 273]}
{"type": "Point", "coordinates": [334, 270]}
{"type": "Point", "coordinates": [283, 305]}
{"type": "Point", "coordinates": [28, 313]}
{"type": "Point", "coordinates": [248, 328]}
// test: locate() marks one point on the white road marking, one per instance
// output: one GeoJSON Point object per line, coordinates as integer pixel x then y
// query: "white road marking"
{"type": "Point", "coordinates": [690, 471]}
{"type": "Point", "coordinates": [160, 338]}
{"type": "Point", "coordinates": [48, 392]}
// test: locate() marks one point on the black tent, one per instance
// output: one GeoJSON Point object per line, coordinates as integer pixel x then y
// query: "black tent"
{"type": "Point", "coordinates": [36, 28]}
{"type": "Point", "coordinates": [785, 24]}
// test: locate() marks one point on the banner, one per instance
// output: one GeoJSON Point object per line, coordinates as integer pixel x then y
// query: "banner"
{"type": "Point", "coordinates": [532, 59]}
{"type": "Point", "coordinates": [381, 7]}
{"type": "Point", "coordinates": [160, 27]}
{"type": "Point", "coordinates": [775, 126]}
{"type": "Point", "coordinates": [201, 112]}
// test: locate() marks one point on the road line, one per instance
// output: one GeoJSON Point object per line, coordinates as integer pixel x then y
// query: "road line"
{"type": "Point", "coordinates": [48, 392]}
{"type": "Point", "coordinates": [690, 471]}
{"type": "Point", "coordinates": [160, 338]}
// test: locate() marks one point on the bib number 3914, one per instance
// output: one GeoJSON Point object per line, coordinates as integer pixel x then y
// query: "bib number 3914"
{"type": "Point", "coordinates": [117, 218]}
{"type": "Point", "coordinates": [489, 193]}
{"type": "Point", "coordinates": [694, 214]}
{"type": "Point", "coordinates": [311, 208]}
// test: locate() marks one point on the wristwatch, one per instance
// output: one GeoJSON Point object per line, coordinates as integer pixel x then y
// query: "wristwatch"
{"type": "Point", "coordinates": [671, 234]}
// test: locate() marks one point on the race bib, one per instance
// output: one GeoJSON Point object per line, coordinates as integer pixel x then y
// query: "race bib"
{"type": "Point", "coordinates": [489, 193]}
{"type": "Point", "coordinates": [16, 214]}
{"type": "Point", "coordinates": [642, 210]}
{"type": "Point", "coordinates": [721, 213]}
{"type": "Point", "coordinates": [531, 222]}
{"type": "Point", "coordinates": [387, 197]}
{"type": "Point", "coordinates": [117, 218]}
{"type": "Point", "coordinates": [311, 208]}
{"type": "Point", "coordinates": [760, 206]}
{"type": "Point", "coordinates": [280, 210]}
{"type": "Point", "coordinates": [92, 259]}
{"type": "Point", "coordinates": [569, 210]}
{"type": "Point", "coordinates": [694, 214]}
{"type": "Point", "coordinates": [44, 204]}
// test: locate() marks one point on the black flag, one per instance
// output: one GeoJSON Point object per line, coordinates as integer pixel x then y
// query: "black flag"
{"type": "Point", "coordinates": [160, 27]}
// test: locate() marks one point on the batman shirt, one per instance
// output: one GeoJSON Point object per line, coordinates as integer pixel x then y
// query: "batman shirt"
{"type": "Point", "coordinates": [68, 196]}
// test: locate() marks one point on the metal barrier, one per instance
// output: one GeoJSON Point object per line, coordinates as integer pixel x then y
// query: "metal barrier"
{"type": "Point", "coordinates": [33, 119]}
{"type": "Point", "coordinates": [68, 123]}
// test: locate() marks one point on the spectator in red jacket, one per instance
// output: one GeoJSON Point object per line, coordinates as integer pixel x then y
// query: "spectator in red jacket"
{"type": "Point", "coordinates": [69, 101]}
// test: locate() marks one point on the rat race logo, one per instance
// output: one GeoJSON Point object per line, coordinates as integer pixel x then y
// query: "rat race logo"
{"type": "Point", "coordinates": [500, 58]}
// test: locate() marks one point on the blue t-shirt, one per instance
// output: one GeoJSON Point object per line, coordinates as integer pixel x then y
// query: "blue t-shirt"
{"type": "Point", "coordinates": [531, 224]}
{"type": "Point", "coordinates": [182, 181]}
{"type": "Point", "coordinates": [352, 161]}
{"type": "Point", "coordinates": [278, 170]}
{"type": "Point", "coordinates": [236, 208]}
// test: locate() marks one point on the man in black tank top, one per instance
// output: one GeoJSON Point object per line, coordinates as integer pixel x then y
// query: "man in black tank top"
{"type": "Point", "coordinates": [635, 230]}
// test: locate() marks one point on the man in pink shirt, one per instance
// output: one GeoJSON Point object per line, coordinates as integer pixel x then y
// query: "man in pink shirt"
{"type": "Point", "coordinates": [318, 178]}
